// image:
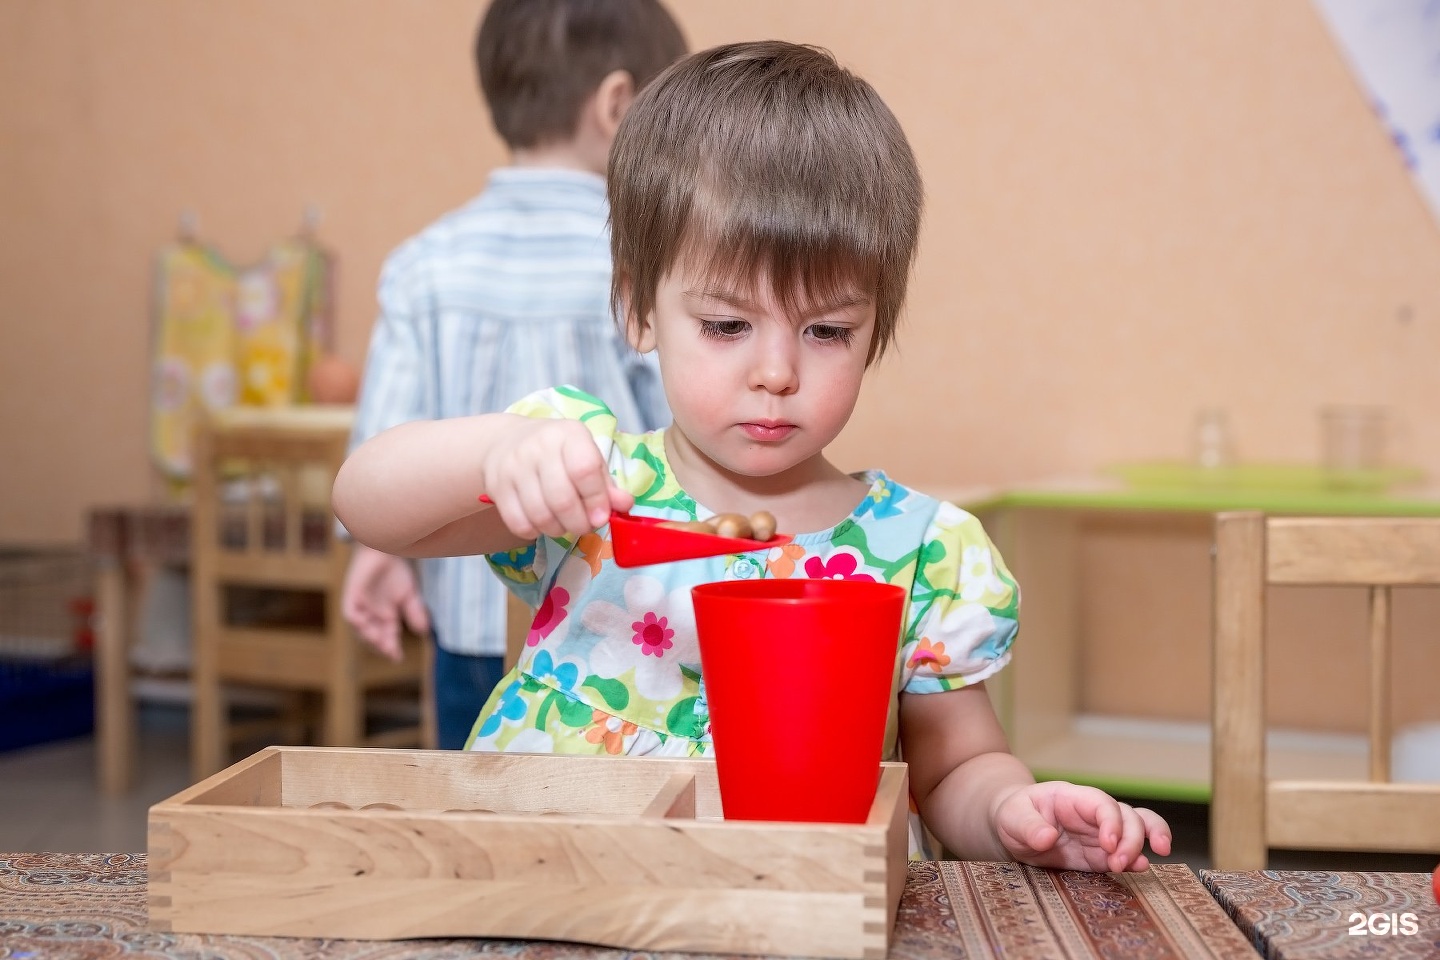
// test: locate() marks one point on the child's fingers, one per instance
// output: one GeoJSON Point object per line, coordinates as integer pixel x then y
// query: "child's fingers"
{"type": "Point", "coordinates": [417, 618]}
{"type": "Point", "coordinates": [1140, 825]}
{"type": "Point", "coordinates": [567, 511]}
{"type": "Point", "coordinates": [1130, 840]}
{"type": "Point", "coordinates": [523, 510]}
{"type": "Point", "coordinates": [621, 500]}
{"type": "Point", "coordinates": [587, 473]}
{"type": "Point", "coordinates": [1088, 810]}
{"type": "Point", "coordinates": [1027, 826]}
{"type": "Point", "coordinates": [542, 498]}
{"type": "Point", "coordinates": [1157, 831]}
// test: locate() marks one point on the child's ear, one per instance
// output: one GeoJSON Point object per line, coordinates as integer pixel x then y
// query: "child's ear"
{"type": "Point", "coordinates": [641, 335]}
{"type": "Point", "coordinates": [612, 98]}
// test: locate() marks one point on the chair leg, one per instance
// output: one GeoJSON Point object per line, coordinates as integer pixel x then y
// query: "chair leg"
{"type": "Point", "coordinates": [209, 740]}
{"type": "Point", "coordinates": [1237, 728]}
{"type": "Point", "coordinates": [344, 710]}
{"type": "Point", "coordinates": [429, 722]}
{"type": "Point", "coordinates": [114, 710]}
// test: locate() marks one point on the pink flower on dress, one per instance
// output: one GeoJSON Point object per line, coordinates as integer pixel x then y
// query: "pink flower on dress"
{"type": "Point", "coordinates": [841, 566]}
{"type": "Point", "coordinates": [652, 635]}
{"type": "Point", "coordinates": [547, 618]}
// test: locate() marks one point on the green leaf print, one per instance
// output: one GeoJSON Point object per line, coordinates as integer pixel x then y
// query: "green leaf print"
{"type": "Point", "coordinates": [593, 407]}
{"type": "Point", "coordinates": [690, 673]}
{"type": "Point", "coordinates": [617, 696]}
{"type": "Point", "coordinates": [682, 721]}
{"type": "Point", "coordinates": [575, 714]}
{"type": "Point", "coordinates": [544, 710]}
{"type": "Point", "coordinates": [660, 479]}
{"type": "Point", "coordinates": [851, 534]}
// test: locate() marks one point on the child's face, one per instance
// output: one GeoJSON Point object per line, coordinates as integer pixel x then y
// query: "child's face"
{"type": "Point", "coordinates": [756, 390]}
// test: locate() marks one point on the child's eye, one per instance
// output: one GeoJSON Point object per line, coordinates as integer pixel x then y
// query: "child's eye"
{"type": "Point", "coordinates": [727, 329]}
{"type": "Point", "coordinates": [830, 333]}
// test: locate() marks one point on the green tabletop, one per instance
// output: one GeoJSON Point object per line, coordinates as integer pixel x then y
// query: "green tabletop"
{"type": "Point", "coordinates": [1272, 488]}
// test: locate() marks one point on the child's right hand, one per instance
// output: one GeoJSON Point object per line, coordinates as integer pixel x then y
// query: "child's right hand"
{"type": "Point", "coordinates": [548, 477]}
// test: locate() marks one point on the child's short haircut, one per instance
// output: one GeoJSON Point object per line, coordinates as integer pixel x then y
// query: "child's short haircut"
{"type": "Point", "coordinates": [764, 156]}
{"type": "Point", "coordinates": [539, 60]}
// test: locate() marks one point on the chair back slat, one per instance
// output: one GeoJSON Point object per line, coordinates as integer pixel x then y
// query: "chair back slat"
{"type": "Point", "coordinates": [1357, 551]}
{"type": "Point", "coordinates": [294, 509]}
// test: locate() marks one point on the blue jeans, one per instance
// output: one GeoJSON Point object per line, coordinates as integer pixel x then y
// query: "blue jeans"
{"type": "Point", "coordinates": [462, 685]}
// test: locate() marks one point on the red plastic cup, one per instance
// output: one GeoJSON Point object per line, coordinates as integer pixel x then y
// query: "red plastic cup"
{"type": "Point", "coordinates": [798, 677]}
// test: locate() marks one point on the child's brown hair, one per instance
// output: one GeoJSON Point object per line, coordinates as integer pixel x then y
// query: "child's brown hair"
{"type": "Point", "coordinates": [764, 156]}
{"type": "Point", "coordinates": [539, 60]}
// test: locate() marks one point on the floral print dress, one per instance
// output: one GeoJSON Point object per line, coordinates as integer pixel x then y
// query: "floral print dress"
{"type": "Point", "coordinates": [611, 664]}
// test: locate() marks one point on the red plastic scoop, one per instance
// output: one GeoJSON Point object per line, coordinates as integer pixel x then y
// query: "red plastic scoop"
{"type": "Point", "coordinates": [640, 541]}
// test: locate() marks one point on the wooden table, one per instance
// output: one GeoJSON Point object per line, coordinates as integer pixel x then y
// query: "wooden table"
{"type": "Point", "coordinates": [93, 905]}
{"type": "Point", "coordinates": [126, 544]}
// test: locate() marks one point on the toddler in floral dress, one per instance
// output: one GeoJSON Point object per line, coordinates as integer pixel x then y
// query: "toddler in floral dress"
{"type": "Point", "coordinates": [765, 206]}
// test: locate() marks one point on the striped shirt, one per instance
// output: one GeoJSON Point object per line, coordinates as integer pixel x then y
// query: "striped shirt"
{"type": "Point", "coordinates": [504, 296]}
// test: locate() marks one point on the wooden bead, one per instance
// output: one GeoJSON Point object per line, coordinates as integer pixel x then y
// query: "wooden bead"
{"type": "Point", "coordinates": [762, 525]}
{"type": "Point", "coordinates": [689, 526]}
{"type": "Point", "coordinates": [733, 525]}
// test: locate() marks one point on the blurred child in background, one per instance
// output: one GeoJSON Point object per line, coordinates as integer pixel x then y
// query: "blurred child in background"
{"type": "Point", "coordinates": [505, 295]}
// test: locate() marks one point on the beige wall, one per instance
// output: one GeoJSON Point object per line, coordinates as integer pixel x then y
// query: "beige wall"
{"type": "Point", "coordinates": [1134, 210]}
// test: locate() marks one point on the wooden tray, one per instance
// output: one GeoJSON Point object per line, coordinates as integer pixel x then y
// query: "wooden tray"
{"type": "Point", "coordinates": [625, 852]}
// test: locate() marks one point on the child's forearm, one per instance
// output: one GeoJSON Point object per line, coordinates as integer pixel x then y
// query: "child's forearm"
{"type": "Point", "coordinates": [413, 489]}
{"type": "Point", "coordinates": [960, 810]}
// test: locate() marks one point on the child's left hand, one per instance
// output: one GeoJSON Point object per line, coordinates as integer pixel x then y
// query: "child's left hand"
{"type": "Point", "coordinates": [1068, 827]}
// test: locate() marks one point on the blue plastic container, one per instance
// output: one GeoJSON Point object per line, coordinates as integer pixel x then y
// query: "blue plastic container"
{"type": "Point", "coordinates": [45, 700]}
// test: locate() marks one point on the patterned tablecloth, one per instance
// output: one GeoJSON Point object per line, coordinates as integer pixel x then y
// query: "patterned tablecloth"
{"type": "Point", "coordinates": [74, 906]}
{"type": "Point", "coordinates": [1313, 915]}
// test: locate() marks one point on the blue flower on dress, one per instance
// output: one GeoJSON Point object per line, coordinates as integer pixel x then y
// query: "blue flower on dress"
{"type": "Point", "coordinates": [543, 667]}
{"type": "Point", "coordinates": [882, 500]}
{"type": "Point", "coordinates": [516, 560]}
{"type": "Point", "coordinates": [511, 707]}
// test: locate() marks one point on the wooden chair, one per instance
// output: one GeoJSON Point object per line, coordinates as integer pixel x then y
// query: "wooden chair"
{"type": "Point", "coordinates": [1251, 811]}
{"type": "Point", "coordinates": [262, 519]}
{"type": "Point", "coordinates": [518, 617]}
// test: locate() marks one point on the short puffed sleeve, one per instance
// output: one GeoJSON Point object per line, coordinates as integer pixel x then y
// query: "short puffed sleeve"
{"type": "Point", "coordinates": [524, 570]}
{"type": "Point", "coordinates": [964, 607]}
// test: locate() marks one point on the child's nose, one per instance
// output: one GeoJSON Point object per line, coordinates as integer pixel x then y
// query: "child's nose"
{"type": "Point", "coordinates": [775, 371]}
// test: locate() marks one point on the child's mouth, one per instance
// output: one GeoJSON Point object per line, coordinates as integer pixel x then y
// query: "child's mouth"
{"type": "Point", "coordinates": [767, 431]}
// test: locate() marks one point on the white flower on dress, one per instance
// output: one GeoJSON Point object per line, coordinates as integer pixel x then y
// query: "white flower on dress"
{"type": "Point", "coordinates": [963, 628]}
{"type": "Point", "coordinates": [651, 635]}
{"type": "Point", "coordinates": [531, 740]}
{"type": "Point", "coordinates": [977, 575]}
